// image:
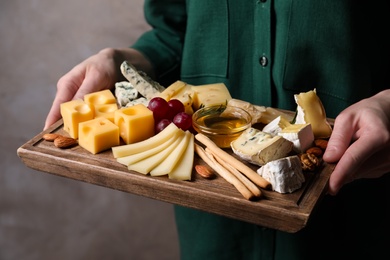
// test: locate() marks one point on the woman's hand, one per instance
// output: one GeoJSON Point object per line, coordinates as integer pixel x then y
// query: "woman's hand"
{"type": "Point", "coordinates": [360, 142]}
{"type": "Point", "coordinates": [96, 73]}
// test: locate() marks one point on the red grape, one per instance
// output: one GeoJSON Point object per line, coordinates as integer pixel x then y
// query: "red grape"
{"type": "Point", "coordinates": [159, 107]}
{"type": "Point", "coordinates": [175, 107]}
{"type": "Point", "coordinates": [161, 125]}
{"type": "Point", "coordinates": [183, 121]}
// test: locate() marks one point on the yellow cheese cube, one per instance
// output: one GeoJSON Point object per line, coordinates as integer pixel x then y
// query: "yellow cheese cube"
{"type": "Point", "coordinates": [210, 95]}
{"type": "Point", "coordinates": [106, 111]}
{"type": "Point", "coordinates": [103, 103]}
{"type": "Point", "coordinates": [136, 123]}
{"type": "Point", "coordinates": [98, 135]}
{"type": "Point", "coordinates": [73, 112]}
{"type": "Point", "coordinates": [100, 97]}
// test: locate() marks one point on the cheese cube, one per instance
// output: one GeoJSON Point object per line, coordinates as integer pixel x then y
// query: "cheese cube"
{"type": "Point", "coordinates": [73, 112]}
{"type": "Point", "coordinates": [98, 135]}
{"type": "Point", "coordinates": [210, 95]}
{"type": "Point", "coordinates": [106, 111]}
{"type": "Point", "coordinates": [100, 97]}
{"type": "Point", "coordinates": [301, 135]}
{"type": "Point", "coordinates": [136, 123]}
{"type": "Point", "coordinates": [258, 147]}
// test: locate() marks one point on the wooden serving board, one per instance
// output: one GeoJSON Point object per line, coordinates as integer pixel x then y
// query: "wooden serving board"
{"type": "Point", "coordinates": [286, 212]}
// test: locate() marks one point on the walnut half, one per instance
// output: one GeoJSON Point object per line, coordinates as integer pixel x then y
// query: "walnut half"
{"type": "Point", "coordinates": [309, 161]}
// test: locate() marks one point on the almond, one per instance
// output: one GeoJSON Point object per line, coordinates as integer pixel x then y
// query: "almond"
{"type": "Point", "coordinates": [317, 151]}
{"type": "Point", "coordinates": [204, 171]}
{"type": "Point", "coordinates": [50, 137]}
{"type": "Point", "coordinates": [321, 143]}
{"type": "Point", "coordinates": [64, 142]}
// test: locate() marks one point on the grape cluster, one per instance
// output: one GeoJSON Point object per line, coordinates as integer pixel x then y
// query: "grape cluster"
{"type": "Point", "coordinates": [166, 112]}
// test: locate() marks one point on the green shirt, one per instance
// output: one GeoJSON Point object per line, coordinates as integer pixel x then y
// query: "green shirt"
{"type": "Point", "coordinates": [266, 51]}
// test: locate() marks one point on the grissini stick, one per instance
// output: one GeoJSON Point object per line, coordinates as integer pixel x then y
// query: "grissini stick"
{"type": "Point", "coordinates": [250, 185]}
{"type": "Point", "coordinates": [208, 158]}
{"type": "Point", "coordinates": [247, 171]}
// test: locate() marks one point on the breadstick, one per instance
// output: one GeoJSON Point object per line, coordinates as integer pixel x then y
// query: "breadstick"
{"type": "Point", "coordinates": [224, 173]}
{"type": "Point", "coordinates": [248, 172]}
{"type": "Point", "coordinates": [250, 185]}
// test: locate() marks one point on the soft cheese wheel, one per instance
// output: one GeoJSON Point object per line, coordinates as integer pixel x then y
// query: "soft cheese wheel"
{"type": "Point", "coordinates": [74, 112]}
{"type": "Point", "coordinates": [98, 135]}
{"type": "Point", "coordinates": [136, 123]}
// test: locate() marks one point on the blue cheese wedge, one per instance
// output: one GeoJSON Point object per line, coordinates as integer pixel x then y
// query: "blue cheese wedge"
{"type": "Point", "coordinates": [301, 135]}
{"type": "Point", "coordinates": [125, 93]}
{"type": "Point", "coordinates": [137, 101]}
{"type": "Point", "coordinates": [147, 87]}
{"type": "Point", "coordinates": [285, 174]}
{"type": "Point", "coordinates": [258, 147]}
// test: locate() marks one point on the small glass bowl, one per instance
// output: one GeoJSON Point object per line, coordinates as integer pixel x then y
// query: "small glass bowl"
{"type": "Point", "coordinates": [222, 124]}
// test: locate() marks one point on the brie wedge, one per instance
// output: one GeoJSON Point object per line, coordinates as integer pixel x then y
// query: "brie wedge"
{"type": "Point", "coordinates": [258, 147]}
{"type": "Point", "coordinates": [284, 174]}
{"type": "Point", "coordinates": [301, 135]}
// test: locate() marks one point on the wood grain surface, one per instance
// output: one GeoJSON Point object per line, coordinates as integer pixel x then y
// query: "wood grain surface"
{"type": "Point", "coordinates": [286, 212]}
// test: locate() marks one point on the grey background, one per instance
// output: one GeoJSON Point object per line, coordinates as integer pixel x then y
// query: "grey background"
{"type": "Point", "coordinates": [43, 216]}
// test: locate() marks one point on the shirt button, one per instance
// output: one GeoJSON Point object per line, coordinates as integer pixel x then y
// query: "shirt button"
{"type": "Point", "coordinates": [263, 61]}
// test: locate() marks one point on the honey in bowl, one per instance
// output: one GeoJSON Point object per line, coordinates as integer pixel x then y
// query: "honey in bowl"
{"type": "Point", "coordinates": [222, 124]}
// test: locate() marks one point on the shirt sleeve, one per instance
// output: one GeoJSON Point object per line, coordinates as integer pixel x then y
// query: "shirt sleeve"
{"type": "Point", "coordinates": [163, 44]}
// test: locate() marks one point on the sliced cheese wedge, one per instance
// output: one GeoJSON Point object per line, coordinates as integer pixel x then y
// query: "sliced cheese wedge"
{"type": "Point", "coordinates": [310, 110]}
{"type": "Point", "coordinates": [161, 137]}
{"type": "Point", "coordinates": [149, 163]}
{"type": "Point", "coordinates": [183, 169]}
{"type": "Point", "coordinates": [276, 125]}
{"type": "Point", "coordinates": [173, 158]}
{"type": "Point", "coordinates": [172, 90]}
{"type": "Point", "coordinates": [259, 147]}
{"type": "Point", "coordinates": [130, 159]}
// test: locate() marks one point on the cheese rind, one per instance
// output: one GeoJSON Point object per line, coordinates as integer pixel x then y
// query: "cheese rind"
{"type": "Point", "coordinates": [74, 112]}
{"type": "Point", "coordinates": [135, 123]}
{"type": "Point", "coordinates": [284, 174]}
{"type": "Point", "coordinates": [258, 147]}
{"type": "Point", "coordinates": [98, 135]}
{"type": "Point", "coordinates": [301, 135]}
